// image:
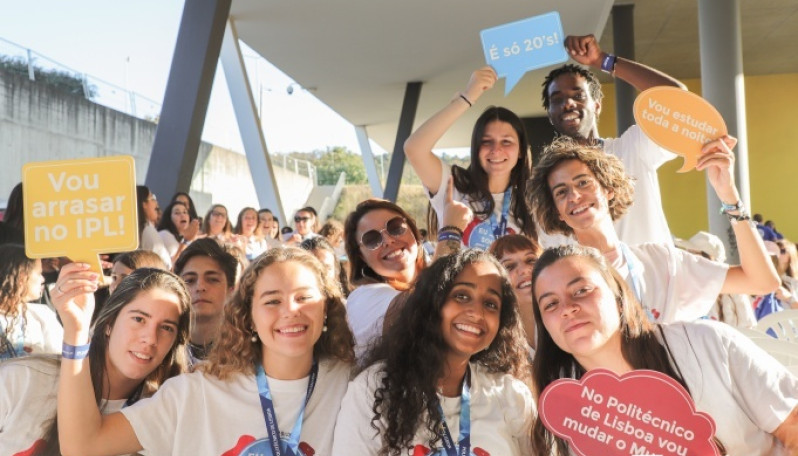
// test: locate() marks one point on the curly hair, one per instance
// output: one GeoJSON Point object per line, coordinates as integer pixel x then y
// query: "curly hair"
{"type": "Point", "coordinates": [606, 168]}
{"type": "Point", "coordinates": [592, 82]}
{"type": "Point", "coordinates": [360, 272]}
{"type": "Point", "coordinates": [320, 244]}
{"type": "Point", "coordinates": [15, 269]}
{"type": "Point", "coordinates": [234, 352]}
{"type": "Point", "coordinates": [174, 362]}
{"type": "Point", "coordinates": [640, 346]}
{"type": "Point", "coordinates": [473, 181]}
{"type": "Point", "coordinates": [406, 397]}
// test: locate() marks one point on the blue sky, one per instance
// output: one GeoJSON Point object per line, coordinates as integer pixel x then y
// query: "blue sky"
{"type": "Point", "coordinates": [130, 44]}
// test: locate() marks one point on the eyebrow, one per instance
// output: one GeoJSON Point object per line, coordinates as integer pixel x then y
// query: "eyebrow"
{"type": "Point", "coordinates": [580, 278]}
{"type": "Point", "coordinates": [141, 312]}
{"type": "Point", "coordinates": [573, 179]}
{"type": "Point", "coordinates": [274, 292]}
{"type": "Point", "coordinates": [474, 286]}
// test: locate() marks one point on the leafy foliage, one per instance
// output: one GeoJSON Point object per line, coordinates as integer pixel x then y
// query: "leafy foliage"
{"type": "Point", "coordinates": [61, 80]}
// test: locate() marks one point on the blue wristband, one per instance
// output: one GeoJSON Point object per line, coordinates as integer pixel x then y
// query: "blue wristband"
{"type": "Point", "coordinates": [449, 236]}
{"type": "Point", "coordinates": [608, 64]}
{"type": "Point", "coordinates": [74, 352]}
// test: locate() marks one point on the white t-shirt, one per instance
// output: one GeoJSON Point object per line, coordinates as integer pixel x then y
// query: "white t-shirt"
{"type": "Point", "coordinates": [676, 285]}
{"type": "Point", "coordinates": [199, 414]}
{"type": "Point", "coordinates": [747, 392]}
{"type": "Point", "coordinates": [170, 242]}
{"type": "Point", "coordinates": [365, 310]}
{"type": "Point", "coordinates": [255, 246]}
{"type": "Point", "coordinates": [28, 402]}
{"type": "Point", "coordinates": [645, 220]}
{"type": "Point", "coordinates": [150, 240]}
{"type": "Point", "coordinates": [478, 233]}
{"type": "Point", "coordinates": [37, 331]}
{"type": "Point", "coordinates": [501, 413]}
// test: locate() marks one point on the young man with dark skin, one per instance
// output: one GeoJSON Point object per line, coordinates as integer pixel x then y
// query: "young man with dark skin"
{"type": "Point", "coordinates": [572, 97]}
{"type": "Point", "coordinates": [210, 275]}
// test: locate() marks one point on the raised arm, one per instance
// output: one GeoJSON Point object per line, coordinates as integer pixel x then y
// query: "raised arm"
{"type": "Point", "coordinates": [418, 147]}
{"type": "Point", "coordinates": [456, 216]}
{"type": "Point", "coordinates": [82, 430]}
{"type": "Point", "coordinates": [586, 50]}
{"type": "Point", "coordinates": [755, 274]}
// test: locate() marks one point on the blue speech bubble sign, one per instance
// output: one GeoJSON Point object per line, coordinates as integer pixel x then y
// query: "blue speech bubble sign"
{"type": "Point", "coordinates": [515, 48]}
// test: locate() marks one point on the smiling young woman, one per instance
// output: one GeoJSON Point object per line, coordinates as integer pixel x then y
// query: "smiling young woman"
{"type": "Point", "coordinates": [136, 345]}
{"type": "Point", "coordinates": [282, 362]}
{"type": "Point", "coordinates": [587, 317]}
{"type": "Point", "coordinates": [451, 361]}
{"type": "Point", "coordinates": [493, 184]}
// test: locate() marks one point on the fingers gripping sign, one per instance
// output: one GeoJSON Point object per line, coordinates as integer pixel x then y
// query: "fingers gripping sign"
{"type": "Point", "coordinates": [73, 299]}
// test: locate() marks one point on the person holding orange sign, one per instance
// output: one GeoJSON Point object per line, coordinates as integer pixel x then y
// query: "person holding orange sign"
{"type": "Point", "coordinates": [580, 190]}
{"type": "Point", "coordinates": [572, 98]}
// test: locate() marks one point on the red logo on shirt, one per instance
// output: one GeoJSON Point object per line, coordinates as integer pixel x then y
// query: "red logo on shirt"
{"type": "Point", "coordinates": [35, 448]}
{"type": "Point", "coordinates": [421, 450]}
{"type": "Point", "coordinates": [304, 448]}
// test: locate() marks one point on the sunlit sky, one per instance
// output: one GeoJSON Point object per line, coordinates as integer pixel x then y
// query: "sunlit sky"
{"type": "Point", "coordinates": [131, 43]}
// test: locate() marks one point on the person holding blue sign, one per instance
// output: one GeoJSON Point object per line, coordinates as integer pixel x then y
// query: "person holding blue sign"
{"type": "Point", "coordinates": [273, 383]}
{"type": "Point", "coordinates": [572, 98]}
{"type": "Point", "coordinates": [588, 318]}
{"type": "Point", "coordinates": [580, 190]}
{"type": "Point", "coordinates": [493, 184]}
{"type": "Point", "coordinates": [446, 377]}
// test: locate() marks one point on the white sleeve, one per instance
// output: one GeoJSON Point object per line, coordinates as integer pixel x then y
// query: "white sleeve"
{"type": "Point", "coordinates": [169, 242]}
{"type": "Point", "coordinates": [519, 408]}
{"type": "Point", "coordinates": [52, 331]}
{"type": "Point", "coordinates": [437, 199]}
{"type": "Point", "coordinates": [353, 432]}
{"type": "Point", "coordinates": [635, 147]}
{"type": "Point", "coordinates": [697, 284]}
{"type": "Point", "coordinates": [154, 420]}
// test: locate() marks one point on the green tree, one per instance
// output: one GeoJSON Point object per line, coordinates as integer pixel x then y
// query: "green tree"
{"type": "Point", "coordinates": [331, 163]}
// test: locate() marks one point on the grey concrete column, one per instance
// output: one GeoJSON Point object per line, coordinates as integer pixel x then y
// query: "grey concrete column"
{"type": "Point", "coordinates": [177, 139]}
{"type": "Point", "coordinates": [412, 94]}
{"type": "Point", "coordinates": [368, 161]}
{"type": "Point", "coordinates": [623, 38]}
{"type": "Point", "coordinates": [722, 85]}
{"type": "Point", "coordinates": [260, 163]}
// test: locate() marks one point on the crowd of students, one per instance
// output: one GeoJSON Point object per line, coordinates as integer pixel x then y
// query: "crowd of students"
{"type": "Point", "coordinates": [351, 339]}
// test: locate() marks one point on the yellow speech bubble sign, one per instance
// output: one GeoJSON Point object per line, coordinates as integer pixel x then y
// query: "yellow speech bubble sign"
{"type": "Point", "coordinates": [80, 208]}
{"type": "Point", "coordinates": [679, 121]}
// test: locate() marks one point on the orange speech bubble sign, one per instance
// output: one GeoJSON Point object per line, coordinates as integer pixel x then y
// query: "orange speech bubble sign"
{"type": "Point", "coordinates": [80, 208]}
{"type": "Point", "coordinates": [679, 121]}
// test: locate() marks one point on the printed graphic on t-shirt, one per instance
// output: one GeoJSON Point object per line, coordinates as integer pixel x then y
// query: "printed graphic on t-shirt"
{"type": "Point", "coordinates": [34, 449]}
{"type": "Point", "coordinates": [421, 450]}
{"type": "Point", "coordinates": [247, 445]}
{"type": "Point", "coordinates": [479, 234]}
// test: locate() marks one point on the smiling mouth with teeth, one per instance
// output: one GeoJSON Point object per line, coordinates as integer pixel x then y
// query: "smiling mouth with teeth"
{"type": "Point", "coordinates": [581, 209]}
{"type": "Point", "coordinates": [292, 329]}
{"type": "Point", "coordinates": [141, 356]}
{"type": "Point", "coordinates": [469, 329]}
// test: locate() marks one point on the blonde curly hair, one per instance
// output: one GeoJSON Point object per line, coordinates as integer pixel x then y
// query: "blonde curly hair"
{"type": "Point", "coordinates": [234, 352]}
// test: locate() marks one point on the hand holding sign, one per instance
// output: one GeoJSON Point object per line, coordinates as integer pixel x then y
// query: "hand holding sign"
{"type": "Point", "coordinates": [679, 121]}
{"type": "Point", "coordinates": [642, 412]}
{"type": "Point", "coordinates": [79, 208]}
{"type": "Point", "coordinates": [515, 48]}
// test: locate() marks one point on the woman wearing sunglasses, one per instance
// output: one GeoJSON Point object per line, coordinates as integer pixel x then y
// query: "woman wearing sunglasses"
{"type": "Point", "coordinates": [384, 249]}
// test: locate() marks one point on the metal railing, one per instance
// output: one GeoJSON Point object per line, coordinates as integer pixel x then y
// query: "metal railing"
{"type": "Point", "coordinates": [39, 67]}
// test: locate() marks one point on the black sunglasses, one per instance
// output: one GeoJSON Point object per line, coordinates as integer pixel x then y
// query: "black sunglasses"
{"type": "Point", "coordinates": [395, 227]}
{"type": "Point", "coordinates": [301, 219]}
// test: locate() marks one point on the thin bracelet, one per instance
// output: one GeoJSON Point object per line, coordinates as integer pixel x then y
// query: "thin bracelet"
{"type": "Point", "coordinates": [451, 228]}
{"type": "Point", "coordinates": [75, 352]}
{"type": "Point", "coordinates": [449, 236]}
{"type": "Point", "coordinates": [466, 100]}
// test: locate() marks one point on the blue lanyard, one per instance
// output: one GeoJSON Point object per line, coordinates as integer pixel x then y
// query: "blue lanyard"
{"type": "Point", "coordinates": [500, 229]}
{"type": "Point", "coordinates": [635, 271]}
{"type": "Point", "coordinates": [463, 447]}
{"type": "Point", "coordinates": [291, 447]}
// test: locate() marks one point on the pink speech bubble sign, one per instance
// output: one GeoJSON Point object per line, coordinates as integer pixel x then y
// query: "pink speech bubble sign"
{"type": "Point", "coordinates": [641, 412]}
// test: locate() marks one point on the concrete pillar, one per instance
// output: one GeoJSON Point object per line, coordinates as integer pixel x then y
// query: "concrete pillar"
{"type": "Point", "coordinates": [623, 38]}
{"type": "Point", "coordinates": [368, 161]}
{"type": "Point", "coordinates": [260, 163]}
{"type": "Point", "coordinates": [722, 85]}
{"type": "Point", "coordinates": [188, 90]}
{"type": "Point", "coordinates": [412, 94]}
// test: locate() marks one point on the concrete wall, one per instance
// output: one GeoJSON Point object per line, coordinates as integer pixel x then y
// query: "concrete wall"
{"type": "Point", "coordinates": [39, 123]}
